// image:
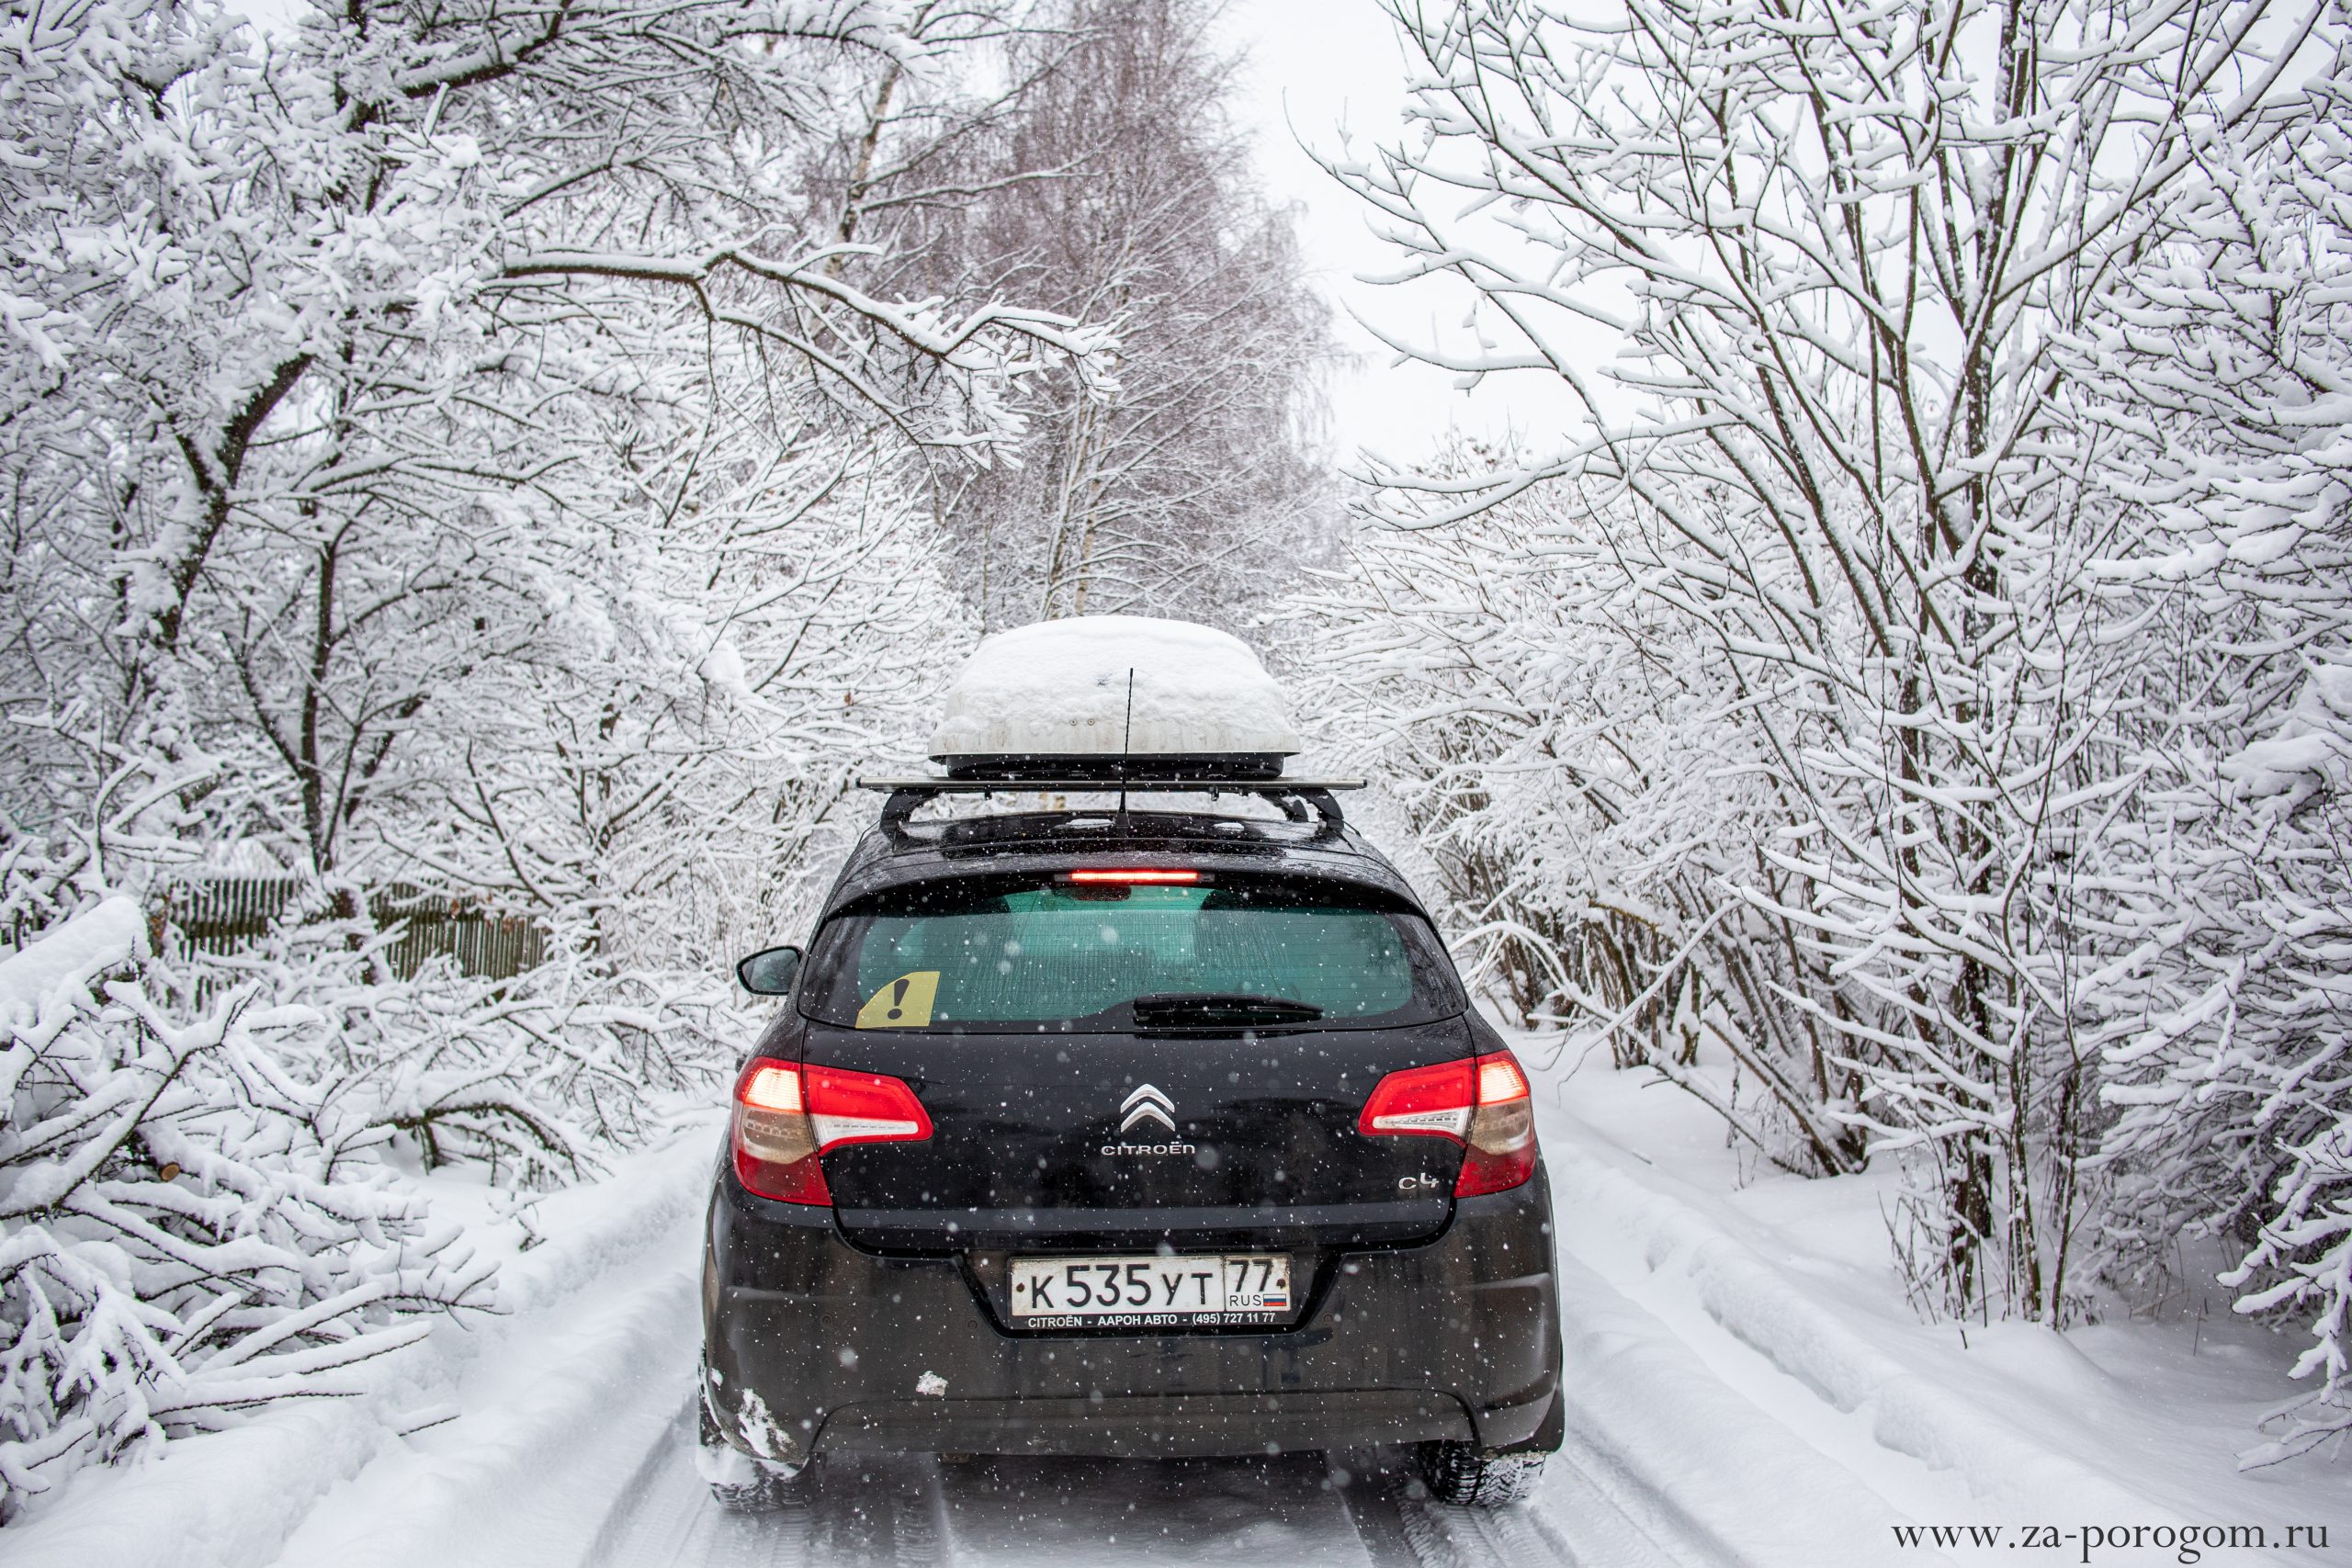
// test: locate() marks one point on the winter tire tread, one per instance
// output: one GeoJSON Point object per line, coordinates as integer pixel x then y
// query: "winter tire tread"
{"type": "Point", "coordinates": [1467, 1477]}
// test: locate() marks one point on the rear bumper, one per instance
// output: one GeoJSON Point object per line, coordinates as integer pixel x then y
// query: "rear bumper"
{"type": "Point", "coordinates": [814, 1346]}
{"type": "Point", "coordinates": [1147, 1425]}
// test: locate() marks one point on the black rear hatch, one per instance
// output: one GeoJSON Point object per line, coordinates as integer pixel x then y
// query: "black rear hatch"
{"type": "Point", "coordinates": [1133, 1065]}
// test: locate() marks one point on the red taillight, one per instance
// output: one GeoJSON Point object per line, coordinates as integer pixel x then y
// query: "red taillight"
{"type": "Point", "coordinates": [862, 1108]}
{"type": "Point", "coordinates": [1436, 1102]}
{"type": "Point", "coordinates": [1502, 1131]}
{"type": "Point", "coordinates": [785, 1115]}
{"type": "Point", "coordinates": [1480, 1103]}
{"type": "Point", "coordinates": [775, 1144]}
{"type": "Point", "coordinates": [1156, 875]}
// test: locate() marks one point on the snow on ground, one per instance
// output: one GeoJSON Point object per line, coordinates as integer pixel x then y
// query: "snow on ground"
{"type": "Point", "coordinates": [1784, 1290]}
{"type": "Point", "coordinates": [1749, 1387]}
{"type": "Point", "coordinates": [592, 1320]}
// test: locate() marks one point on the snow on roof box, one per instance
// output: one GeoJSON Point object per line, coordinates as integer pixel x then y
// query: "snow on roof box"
{"type": "Point", "coordinates": [1059, 688]}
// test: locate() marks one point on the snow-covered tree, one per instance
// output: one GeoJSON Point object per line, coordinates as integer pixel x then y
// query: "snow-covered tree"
{"type": "Point", "coordinates": [1116, 188]}
{"type": "Point", "coordinates": [1554, 743]}
{"type": "Point", "coordinates": [446, 450]}
{"type": "Point", "coordinates": [366, 282]}
{"type": "Point", "coordinates": [668, 766]}
{"type": "Point", "coordinates": [1833, 263]}
{"type": "Point", "coordinates": [190, 1223]}
{"type": "Point", "coordinates": [2216, 899]}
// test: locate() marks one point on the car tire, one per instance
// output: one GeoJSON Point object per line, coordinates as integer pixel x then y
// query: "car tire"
{"type": "Point", "coordinates": [738, 1483]}
{"type": "Point", "coordinates": [1469, 1477]}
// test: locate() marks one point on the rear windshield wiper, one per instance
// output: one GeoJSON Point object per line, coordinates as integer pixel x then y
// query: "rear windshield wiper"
{"type": "Point", "coordinates": [1181, 1009]}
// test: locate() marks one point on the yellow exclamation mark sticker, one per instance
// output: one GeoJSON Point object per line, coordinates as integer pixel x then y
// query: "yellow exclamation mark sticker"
{"type": "Point", "coordinates": [904, 1003]}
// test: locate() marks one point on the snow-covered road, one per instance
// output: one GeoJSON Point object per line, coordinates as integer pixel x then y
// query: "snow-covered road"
{"type": "Point", "coordinates": [1026, 1513]}
{"type": "Point", "coordinates": [1747, 1387]}
{"type": "Point", "coordinates": [575, 1452]}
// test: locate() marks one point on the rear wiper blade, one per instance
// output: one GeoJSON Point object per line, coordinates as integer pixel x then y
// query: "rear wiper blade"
{"type": "Point", "coordinates": [1220, 1007]}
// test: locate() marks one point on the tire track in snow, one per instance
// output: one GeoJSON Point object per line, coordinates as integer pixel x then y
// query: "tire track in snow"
{"type": "Point", "coordinates": [1572, 1523]}
{"type": "Point", "coordinates": [665, 1515]}
{"type": "Point", "coordinates": [1026, 1512]}
{"type": "Point", "coordinates": [878, 1509]}
{"type": "Point", "coordinates": [911, 1511]}
{"type": "Point", "coordinates": [1397, 1533]}
{"type": "Point", "coordinates": [1525, 1534]}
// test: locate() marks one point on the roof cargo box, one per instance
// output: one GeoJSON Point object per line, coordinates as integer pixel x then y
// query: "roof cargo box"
{"type": "Point", "coordinates": [1113, 696]}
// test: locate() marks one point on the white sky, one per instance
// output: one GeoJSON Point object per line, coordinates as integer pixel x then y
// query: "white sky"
{"type": "Point", "coordinates": [1320, 66]}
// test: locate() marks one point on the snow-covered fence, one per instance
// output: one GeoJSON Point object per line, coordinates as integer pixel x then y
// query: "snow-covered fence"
{"type": "Point", "coordinates": [223, 915]}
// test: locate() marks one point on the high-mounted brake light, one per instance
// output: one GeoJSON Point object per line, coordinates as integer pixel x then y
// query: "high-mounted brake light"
{"type": "Point", "coordinates": [1154, 875]}
{"type": "Point", "coordinates": [1481, 1102]}
{"type": "Point", "coordinates": [787, 1115]}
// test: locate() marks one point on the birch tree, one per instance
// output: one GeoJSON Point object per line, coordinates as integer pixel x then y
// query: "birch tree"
{"type": "Point", "coordinates": [1118, 190]}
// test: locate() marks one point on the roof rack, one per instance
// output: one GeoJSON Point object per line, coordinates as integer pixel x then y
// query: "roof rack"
{"type": "Point", "coordinates": [906, 794]}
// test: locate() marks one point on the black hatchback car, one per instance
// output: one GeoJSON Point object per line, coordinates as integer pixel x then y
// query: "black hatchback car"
{"type": "Point", "coordinates": [1147, 1135]}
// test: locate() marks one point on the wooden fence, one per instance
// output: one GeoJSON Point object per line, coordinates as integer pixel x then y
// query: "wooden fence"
{"type": "Point", "coordinates": [226, 914]}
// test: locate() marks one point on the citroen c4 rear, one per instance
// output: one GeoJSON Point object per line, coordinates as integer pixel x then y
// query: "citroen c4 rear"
{"type": "Point", "coordinates": [1188, 1146]}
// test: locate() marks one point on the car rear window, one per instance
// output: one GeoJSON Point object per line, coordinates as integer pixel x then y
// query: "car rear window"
{"type": "Point", "coordinates": [1054, 956]}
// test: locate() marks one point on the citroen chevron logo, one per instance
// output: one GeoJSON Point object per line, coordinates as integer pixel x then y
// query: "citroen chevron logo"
{"type": "Point", "coordinates": [1148, 1104]}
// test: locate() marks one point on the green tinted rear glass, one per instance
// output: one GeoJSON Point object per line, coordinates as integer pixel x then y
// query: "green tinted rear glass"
{"type": "Point", "coordinates": [1052, 953]}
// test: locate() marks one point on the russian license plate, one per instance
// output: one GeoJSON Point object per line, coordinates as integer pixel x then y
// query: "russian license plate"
{"type": "Point", "coordinates": [1159, 1292]}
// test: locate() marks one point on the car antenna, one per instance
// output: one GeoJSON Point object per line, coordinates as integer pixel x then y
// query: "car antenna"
{"type": "Point", "coordinates": [1126, 736]}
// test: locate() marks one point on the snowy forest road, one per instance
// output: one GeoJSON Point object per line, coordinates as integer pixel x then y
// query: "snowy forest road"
{"type": "Point", "coordinates": [913, 1511]}
{"type": "Point", "coordinates": [567, 1442]}
{"type": "Point", "coordinates": [1723, 1410]}
{"type": "Point", "coordinates": [560, 1435]}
